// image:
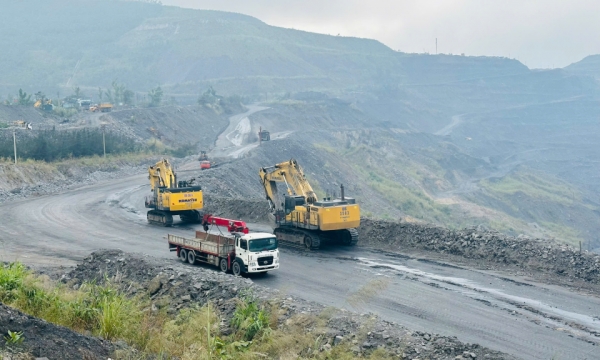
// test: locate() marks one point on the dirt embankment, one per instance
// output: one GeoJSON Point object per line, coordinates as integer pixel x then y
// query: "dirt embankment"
{"type": "Point", "coordinates": [12, 113]}
{"type": "Point", "coordinates": [38, 178]}
{"type": "Point", "coordinates": [42, 339]}
{"type": "Point", "coordinates": [173, 125]}
{"type": "Point", "coordinates": [248, 210]}
{"type": "Point", "coordinates": [487, 248]}
{"type": "Point", "coordinates": [173, 286]}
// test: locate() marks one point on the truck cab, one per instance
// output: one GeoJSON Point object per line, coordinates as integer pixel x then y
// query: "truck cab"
{"type": "Point", "coordinates": [255, 253]}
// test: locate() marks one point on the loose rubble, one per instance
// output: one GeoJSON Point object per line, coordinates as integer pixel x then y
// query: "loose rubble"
{"type": "Point", "coordinates": [43, 339]}
{"type": "Point", "coordinates": [541, 255]}
{"type": "Point", "coordinates": [174, 285]}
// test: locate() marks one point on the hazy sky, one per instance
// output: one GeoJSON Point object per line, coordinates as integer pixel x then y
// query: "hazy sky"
{"type": "Point", "coordinates": [539, 33]}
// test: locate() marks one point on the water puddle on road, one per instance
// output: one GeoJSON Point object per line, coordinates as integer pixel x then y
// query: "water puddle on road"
{"type": "Point", "coordinates": [578, 324]}
{"type": "Point", "coordinates": [118, 199]}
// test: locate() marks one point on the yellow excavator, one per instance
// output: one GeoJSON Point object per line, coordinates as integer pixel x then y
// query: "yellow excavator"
{"type": "Point", "coordinates": [303, 219]}
{"type": "Point", "coordinates": [171, 197]}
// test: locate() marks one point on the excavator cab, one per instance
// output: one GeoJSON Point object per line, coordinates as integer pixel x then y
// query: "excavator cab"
{"type": "Point", "coordinates": [291, 202]}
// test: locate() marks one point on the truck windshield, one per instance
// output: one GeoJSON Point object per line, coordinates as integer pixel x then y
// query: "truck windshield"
{"type": "Point", "coordinates": [263, 244]}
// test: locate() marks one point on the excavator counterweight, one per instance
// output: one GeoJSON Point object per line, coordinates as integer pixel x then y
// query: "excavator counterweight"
{"type": "Point", "coordinates": [301, 218]}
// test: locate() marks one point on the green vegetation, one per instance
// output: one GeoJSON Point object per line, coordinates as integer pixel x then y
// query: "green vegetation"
{"type": "Point", "coordinates": [221, 104]}
{"type": "Point", "coordinates": [3, 125]}
{"type": "Point", "coordinates": [55, 145]}
{"type": "Point", "coordinates": [14, 338]}
{"type": "Point", "coordinates": [563, 232]}
{"type": "Point", "coordinates": [410, 199]}
{"type": "Point", "coordinates": [23, 98]}
{"type": "Point", "coordinates": [533, 185]}
{"type": "Point", "coordinates": [155, 96]}
{"type": "Point", "coordinates": [192, 333]}
{"type": "Point", "coordinates": [250, 318]}
{"type": "Point", "coordinates": [119, 94]}
{"type": "Point", "coordinates": [65, 112]}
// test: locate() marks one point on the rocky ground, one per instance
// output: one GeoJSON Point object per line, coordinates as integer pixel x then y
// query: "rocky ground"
{"type": "Point", "coordinates": [28, 180]}
{"type": "Point", "coordinates": [45, 340]}
{"type": "Point", "coordinates": [174, 285]}
{"type": "Point", "coordinates": [552, 262]}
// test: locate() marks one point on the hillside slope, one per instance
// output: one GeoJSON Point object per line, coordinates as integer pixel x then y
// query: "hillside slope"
{"type": "Point", "coordinates": [91, 43]}
{"type": "Point", "coordinates": [588, 66]}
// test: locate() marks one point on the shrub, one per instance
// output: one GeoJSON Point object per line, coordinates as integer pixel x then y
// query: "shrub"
{"type": "Point", "coordinates": [65, 113]}
{"type": "Point", "coordinates": [250, 318]}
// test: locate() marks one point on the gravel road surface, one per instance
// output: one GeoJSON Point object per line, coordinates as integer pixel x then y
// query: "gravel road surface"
{"type": "Point", "coordinates": [513, 315]}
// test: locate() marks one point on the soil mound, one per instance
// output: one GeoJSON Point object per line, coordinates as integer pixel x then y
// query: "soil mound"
{"type": "Point", "coordinates": [43, 339]}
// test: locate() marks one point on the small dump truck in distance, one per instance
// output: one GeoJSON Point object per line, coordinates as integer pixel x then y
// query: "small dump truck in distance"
{"type": "Point", "coordinates": [236, 252]}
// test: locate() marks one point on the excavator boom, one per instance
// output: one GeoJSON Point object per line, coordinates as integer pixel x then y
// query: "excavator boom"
{"type": "Point", "coordinates": [301, 217]}
{"type": "Point", "coordinates": [290, 173]}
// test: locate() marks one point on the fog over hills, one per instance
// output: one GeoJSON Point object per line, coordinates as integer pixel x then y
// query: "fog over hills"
{"type": "Point", "coordinates": [497, 131]}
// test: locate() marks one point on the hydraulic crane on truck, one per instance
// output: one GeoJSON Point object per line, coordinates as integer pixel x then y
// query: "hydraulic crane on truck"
{"type": "Point", "coordinates": [301, 218]}
{"type": "Point", "coordinates": [231, 225]}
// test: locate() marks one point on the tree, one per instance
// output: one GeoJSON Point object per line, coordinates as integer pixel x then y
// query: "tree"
{"type": "Point", "coordinates": [128, 96]}
{"type": "Point", "coordinates": [77, 92]}
{"type": "Point", "coordinates": [24, 99]}
{"type": "Point", "coordinates": [155, 96]}
{"type": "Point", "coordinates": [109, 95]}
{"type": "Point", "coordinates": [119, 92]}
{"type": "Point", "coordinates": [209, 97]}
{"type": "Point", "coordinates": [40, 96]}
{"type": "Point", "coordinates": [100, 94]}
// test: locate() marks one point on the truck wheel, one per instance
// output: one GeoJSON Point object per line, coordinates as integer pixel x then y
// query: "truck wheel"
{"type": "Point", "coordinates": [183, 255]}
{"type": "Point", "coordinates": [191, 258]}
{"type": "Point", "coordinates": [223, 265]}
{"type": "Point", "coordinates": [236, 268]}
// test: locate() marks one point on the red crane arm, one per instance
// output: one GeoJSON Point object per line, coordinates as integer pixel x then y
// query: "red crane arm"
{"type": "Point", "coordinates": [232, 225]}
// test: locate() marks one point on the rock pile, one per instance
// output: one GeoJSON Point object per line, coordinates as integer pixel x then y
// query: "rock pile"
{"type": "Point", "coordinates": [524, 252]}
{"type": "Point", "coordinates": [174, 285]}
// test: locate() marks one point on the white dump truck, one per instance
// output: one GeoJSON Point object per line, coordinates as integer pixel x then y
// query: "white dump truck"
{"type": "Point", "coordinates": [238, 252]}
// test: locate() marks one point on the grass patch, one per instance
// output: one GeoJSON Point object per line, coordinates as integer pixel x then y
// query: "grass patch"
{"type": "Point", "coordinates": [193, 333]}
{"type": "Point", "coordinates": [564, 233]}
{"type": "Point", "coordinates": [534, 186]}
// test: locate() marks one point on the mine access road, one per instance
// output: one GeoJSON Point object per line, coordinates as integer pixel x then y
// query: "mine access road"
{"type": "Point", "coordinates": [527, 319]}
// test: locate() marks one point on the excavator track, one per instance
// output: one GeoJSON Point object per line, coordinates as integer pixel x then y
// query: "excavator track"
{"type": "Point", "coordinates": [353, 237]}
{"type": "Point", "coordinates": [346, 237]}
{"type": "Point", "coordinates": [191, 216]}
{"type": "Point", "coordinates": [160, 218]}
{"type": "Point", "coordinates": [298, 238]}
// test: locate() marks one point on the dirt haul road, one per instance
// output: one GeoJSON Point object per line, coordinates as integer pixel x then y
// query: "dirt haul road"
{"type": "Point", "coordinates": [529, 320]}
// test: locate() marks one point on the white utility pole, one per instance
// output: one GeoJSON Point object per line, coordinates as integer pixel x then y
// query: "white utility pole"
{"type": "Point", "coordinates": [15, 144]}
{"type": "Point", "coordinates": [103, 141]}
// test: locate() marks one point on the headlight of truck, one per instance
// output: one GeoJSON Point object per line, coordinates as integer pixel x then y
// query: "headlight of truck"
{"type": "Point", "coordinates": [252, 264]}
{"type": "Point", "coordinates": [276, 261]}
